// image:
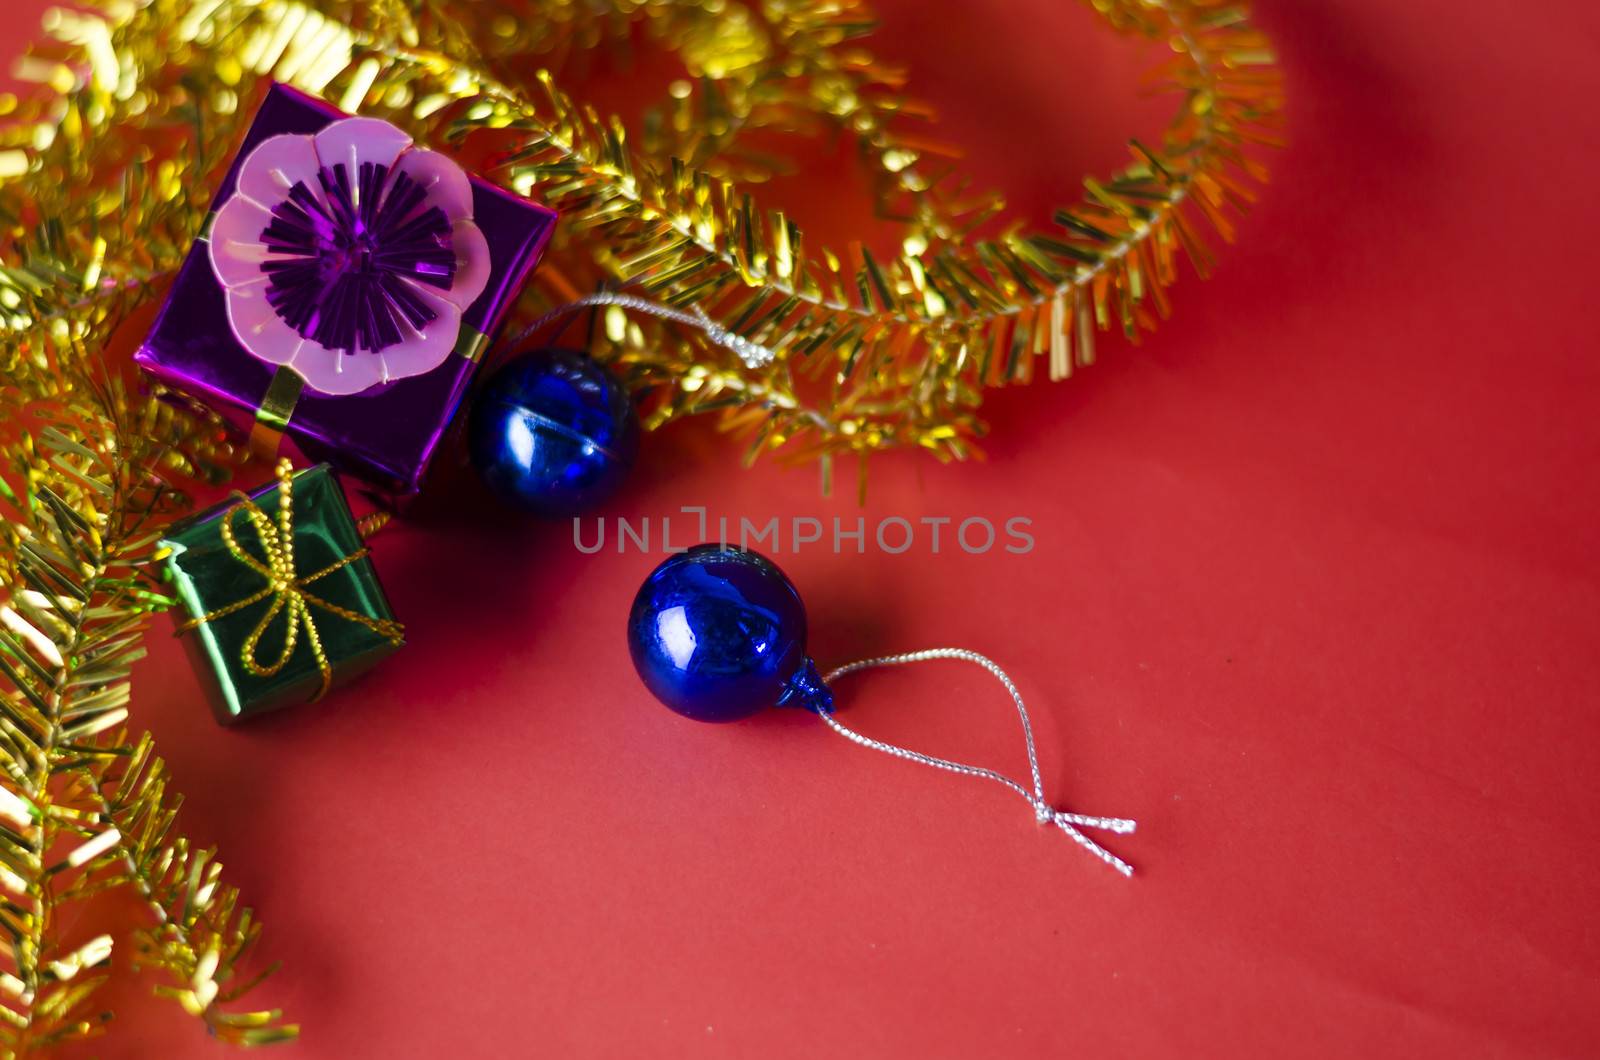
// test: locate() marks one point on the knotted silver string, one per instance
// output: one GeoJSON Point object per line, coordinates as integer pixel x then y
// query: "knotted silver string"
{"type": "Point", "coordinates": [1043, 812]}
{"type": "Point", "coordinates": [753, 354]}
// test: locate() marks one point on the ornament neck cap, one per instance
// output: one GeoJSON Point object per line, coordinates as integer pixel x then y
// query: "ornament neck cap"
{"type": "Point", "coordinates": [807, 689]}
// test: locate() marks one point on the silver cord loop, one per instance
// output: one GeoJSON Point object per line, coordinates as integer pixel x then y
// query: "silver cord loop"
{"type": "Point", "coordinates": [753, 354]}
{"type": "Point", "coordinates": [1044, 813]}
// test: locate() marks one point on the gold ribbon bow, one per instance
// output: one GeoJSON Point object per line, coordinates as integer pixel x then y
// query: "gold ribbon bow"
{"type": "Point", "coordinates": [286, 589]}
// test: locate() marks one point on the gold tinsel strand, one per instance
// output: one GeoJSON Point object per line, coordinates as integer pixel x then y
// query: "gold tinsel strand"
{"type": "Point", "coordinates": [84, 806]}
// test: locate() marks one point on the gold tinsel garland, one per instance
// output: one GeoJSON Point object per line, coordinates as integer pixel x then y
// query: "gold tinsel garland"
{"type": "Point", "coordinates": [85, 806]}
{"type": "Point", "coordinates": [871, 353]}
{"type": "Point", "coordinates": [105, 179]}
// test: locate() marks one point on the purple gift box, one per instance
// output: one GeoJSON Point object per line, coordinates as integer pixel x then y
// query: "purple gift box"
{"type": "Point", "coordinates": [344, 290]}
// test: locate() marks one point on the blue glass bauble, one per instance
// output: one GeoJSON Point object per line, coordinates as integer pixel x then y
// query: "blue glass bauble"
{"type": "Point", "coordinates": [553, 432]}
{"type": "Point", "coordinates": [719, 633]}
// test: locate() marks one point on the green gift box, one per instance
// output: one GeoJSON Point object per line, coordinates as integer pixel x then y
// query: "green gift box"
{"type": "Point", "coordinates": [282, 600]}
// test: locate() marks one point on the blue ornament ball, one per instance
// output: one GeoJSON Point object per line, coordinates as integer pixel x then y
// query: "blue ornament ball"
{"type": "Point", "coordinates": [552, 432]}
{"type": "Point", "coordinates": [718, 633]}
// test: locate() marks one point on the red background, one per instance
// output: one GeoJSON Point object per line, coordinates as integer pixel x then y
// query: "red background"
{"type": "Point", "coordinates": [1314, 598]}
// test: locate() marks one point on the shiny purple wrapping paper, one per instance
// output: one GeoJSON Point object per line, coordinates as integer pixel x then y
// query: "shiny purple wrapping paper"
{"type": "Point", "coordinates": [384, 436]}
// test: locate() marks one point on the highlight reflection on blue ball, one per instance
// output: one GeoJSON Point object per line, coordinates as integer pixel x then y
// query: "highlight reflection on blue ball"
{"type": "Point", "coordinates": [553, 433]}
